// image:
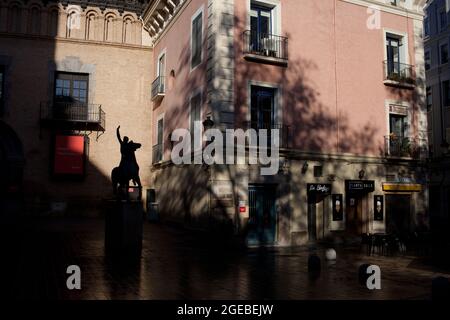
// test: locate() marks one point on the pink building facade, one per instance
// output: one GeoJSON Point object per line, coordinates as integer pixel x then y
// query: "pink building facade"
{"type": "Point", "coordinates": [342, 81]}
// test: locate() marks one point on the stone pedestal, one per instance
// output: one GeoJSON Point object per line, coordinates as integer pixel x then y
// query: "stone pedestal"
{"type": "Point", "coordinates": [123, 229]}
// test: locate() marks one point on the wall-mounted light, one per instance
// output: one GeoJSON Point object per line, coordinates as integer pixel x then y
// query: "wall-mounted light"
{"type": "Point", "coordinates": [362, 174]}
{"type": "Point", "coordinates": [305, 167]}
{"type": "Point", "coordinates": [208, 123]}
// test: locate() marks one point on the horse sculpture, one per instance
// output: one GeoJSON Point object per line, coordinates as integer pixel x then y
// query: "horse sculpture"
{"type": "Point", "coordinates": [127, 170]}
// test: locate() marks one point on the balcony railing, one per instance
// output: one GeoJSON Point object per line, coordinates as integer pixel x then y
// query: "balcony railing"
{"type": "Point", "coordinates": [158, 88]}
{"type": "Point", "coordinates": [267, 46]}
{"type": "Point", "coordinates": [75, 115]}
{"type": "Point", "coordinates": [405, 147]}
{"type": "Point", "coordinates": [157, 153]}
{"type": "Point", "coordinates": [284, 132]}
{"type": "Point", "coordinates": [399, 73]}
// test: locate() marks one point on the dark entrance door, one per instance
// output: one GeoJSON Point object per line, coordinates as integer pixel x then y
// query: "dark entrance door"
{"type": "Point", "coordinates": [398, 213]}
{"type": "Point", "coordinates": [355, 214]}
{"type": "Point", "coordinates": [317, 210]}
{"type": "Point", "coordinates": [262, 224]}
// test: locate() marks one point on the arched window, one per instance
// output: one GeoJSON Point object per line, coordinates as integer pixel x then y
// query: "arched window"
{"type": "Point", "coordinates": [35, 20]}
{"type": "Point", "coordinates": [53, 17]}
{"type": "Point", "coordinates": [90, 26]}
{"type": "Point", "coordinates": [73, 23]}
{"type": "Point", "coordinates": [14, 18]}
{"type": "Point", "coordinates": [109, 28]}
{"type": "Point", "coordinates": [127, 31]}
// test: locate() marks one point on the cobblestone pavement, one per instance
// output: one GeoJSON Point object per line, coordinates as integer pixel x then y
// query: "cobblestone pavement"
{"type": "Point", "coordinates": [176, 265]}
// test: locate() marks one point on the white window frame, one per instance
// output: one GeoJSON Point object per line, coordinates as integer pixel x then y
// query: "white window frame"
{"type": "Point", "coordinates": [276, 14]}
{"type": "Point", "coordinates": [201, 11]}
{"type": "Point", "coordinates": [163, 53]}
{"type": "Point", "coordinates": [161, 116]}
{"type": "Point", "coordinates": [409, 116]}
{"type": "Point", "coordinates": [278, 99]}
{"type": "Point", "coordinates": [404, 52]}
{"type": "Point", "coordinates": [195, 93]}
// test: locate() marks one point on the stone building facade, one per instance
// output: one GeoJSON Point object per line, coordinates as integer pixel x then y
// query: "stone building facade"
{"type": "Point", "coordinates": [342, 81]}
{"type": "Point", "coordinates": [72, 71]}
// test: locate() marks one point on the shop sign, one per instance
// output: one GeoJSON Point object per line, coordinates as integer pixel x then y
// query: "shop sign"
{"type": "Point", "coordinates": [360, 186]}
{"type": "Point", "coordinates": [402, 187]}
{"type": "Point", "coordinates": [319, 189]}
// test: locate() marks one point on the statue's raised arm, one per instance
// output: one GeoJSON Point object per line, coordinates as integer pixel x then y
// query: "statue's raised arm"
{"type": "Point", "coordinates": [118, 135]}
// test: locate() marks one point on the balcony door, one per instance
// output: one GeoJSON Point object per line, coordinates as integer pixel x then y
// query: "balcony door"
{"type": "Point", "coordinates": [393, 55]}
{"type": "Point", "coordinates": [260, 26]}
{"type": "Point", "coordinates": [397, 125]}
{"type": "Point", "coordinates": [71, 96]}
{"type": "Point", "coordinates": [162, 71]}
{"type": "Point", "coordinates": [262, 107]}
{"type": "Point", "coordinates": [398, 143]}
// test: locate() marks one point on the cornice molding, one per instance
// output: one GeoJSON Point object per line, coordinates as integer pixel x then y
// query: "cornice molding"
{"type": "Point", "coordinates": [159, 15]}
{"type": "Point", "coordinates": [415, 13]}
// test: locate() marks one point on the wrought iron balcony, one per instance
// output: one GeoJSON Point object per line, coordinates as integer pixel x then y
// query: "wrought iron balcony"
{"type": "Point", "coordinates": [405, 147]}
{"type": "Point", "coordinates": [399, 74]}
{"type": "Point", "coordinates": [284, 132]}
{"type": "Point", "coordinates": [73, 115]}
{"type": "Point", "coordinates": [157, 153]}
{"type": "Point", "coordinates": [158, 88]}
{"type": "Point", "coordinates": [265, 47]}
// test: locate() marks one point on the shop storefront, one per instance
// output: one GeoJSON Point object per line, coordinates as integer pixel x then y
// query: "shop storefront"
{"type": "Point", "coordinates": [357, 193]}
{"type": "Point", "coordinates": [318, 210]}
{"type": "Point", "coordinates": [399, 206]}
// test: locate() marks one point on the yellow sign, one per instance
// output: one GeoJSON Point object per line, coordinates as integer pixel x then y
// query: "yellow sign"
{"type": "Point", "coordinates": [402, 187]}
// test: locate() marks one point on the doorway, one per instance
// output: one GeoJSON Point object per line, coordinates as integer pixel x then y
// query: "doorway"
{"type": "Point", "coordinates": [317, 220]}
{"type": "Point", "coordinates": [318, 213]}
{"type": "Point", "coordinates": [398, 213]}
{"type": "Point", "coordinates": [355, 214]}
{"type": "Point", "coordinates": [262, 215]}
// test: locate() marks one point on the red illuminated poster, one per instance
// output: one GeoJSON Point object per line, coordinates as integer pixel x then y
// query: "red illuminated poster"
{"type": "Point", "coordinates": [69, 155]}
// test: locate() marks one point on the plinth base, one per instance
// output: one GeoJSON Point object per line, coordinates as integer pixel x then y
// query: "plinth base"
{"type": "Point", "coordinates": [123, 229]}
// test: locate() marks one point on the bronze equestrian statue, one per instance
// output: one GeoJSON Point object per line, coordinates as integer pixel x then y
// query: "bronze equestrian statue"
{"type": "Point", "coordinates": [128, 168]}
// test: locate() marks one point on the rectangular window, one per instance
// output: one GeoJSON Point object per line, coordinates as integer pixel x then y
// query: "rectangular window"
{"type": "Point", "coordinates": [426, 27]}
{"type": "Point", "coordinates": [162, 65]}
{"type": "Point", "coordinates": [160, 139]}
{"type": "Point", "coordinates": [318, 171]}
{"type": "Point", "coordinates": [429, 99]}
{"type": "Point", "coordinates": [397, 125]}
{"type": "Point", "coordinates": [442, 19]}
{"type": "Point", "coordinates": [393, 45]}
{"type": "Point", "coordinates": [444, 53]}
{"type": "Point", "coordinates": [446, 93]}
{"type": "Point", "coordinates": [427, 60]}
{"type": "Point", "coordinates": [261, 19]}
{"type": "Point", "coordinates": [2, 87]}
{"type": "Point", "coordinates": [196, 40]}
{"type": "Point", "coordinates": [196, 107]}
{"type": "Point", "coordinates": [262, 107]}
{"type": "Point", "coordinates": [71, 87]}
